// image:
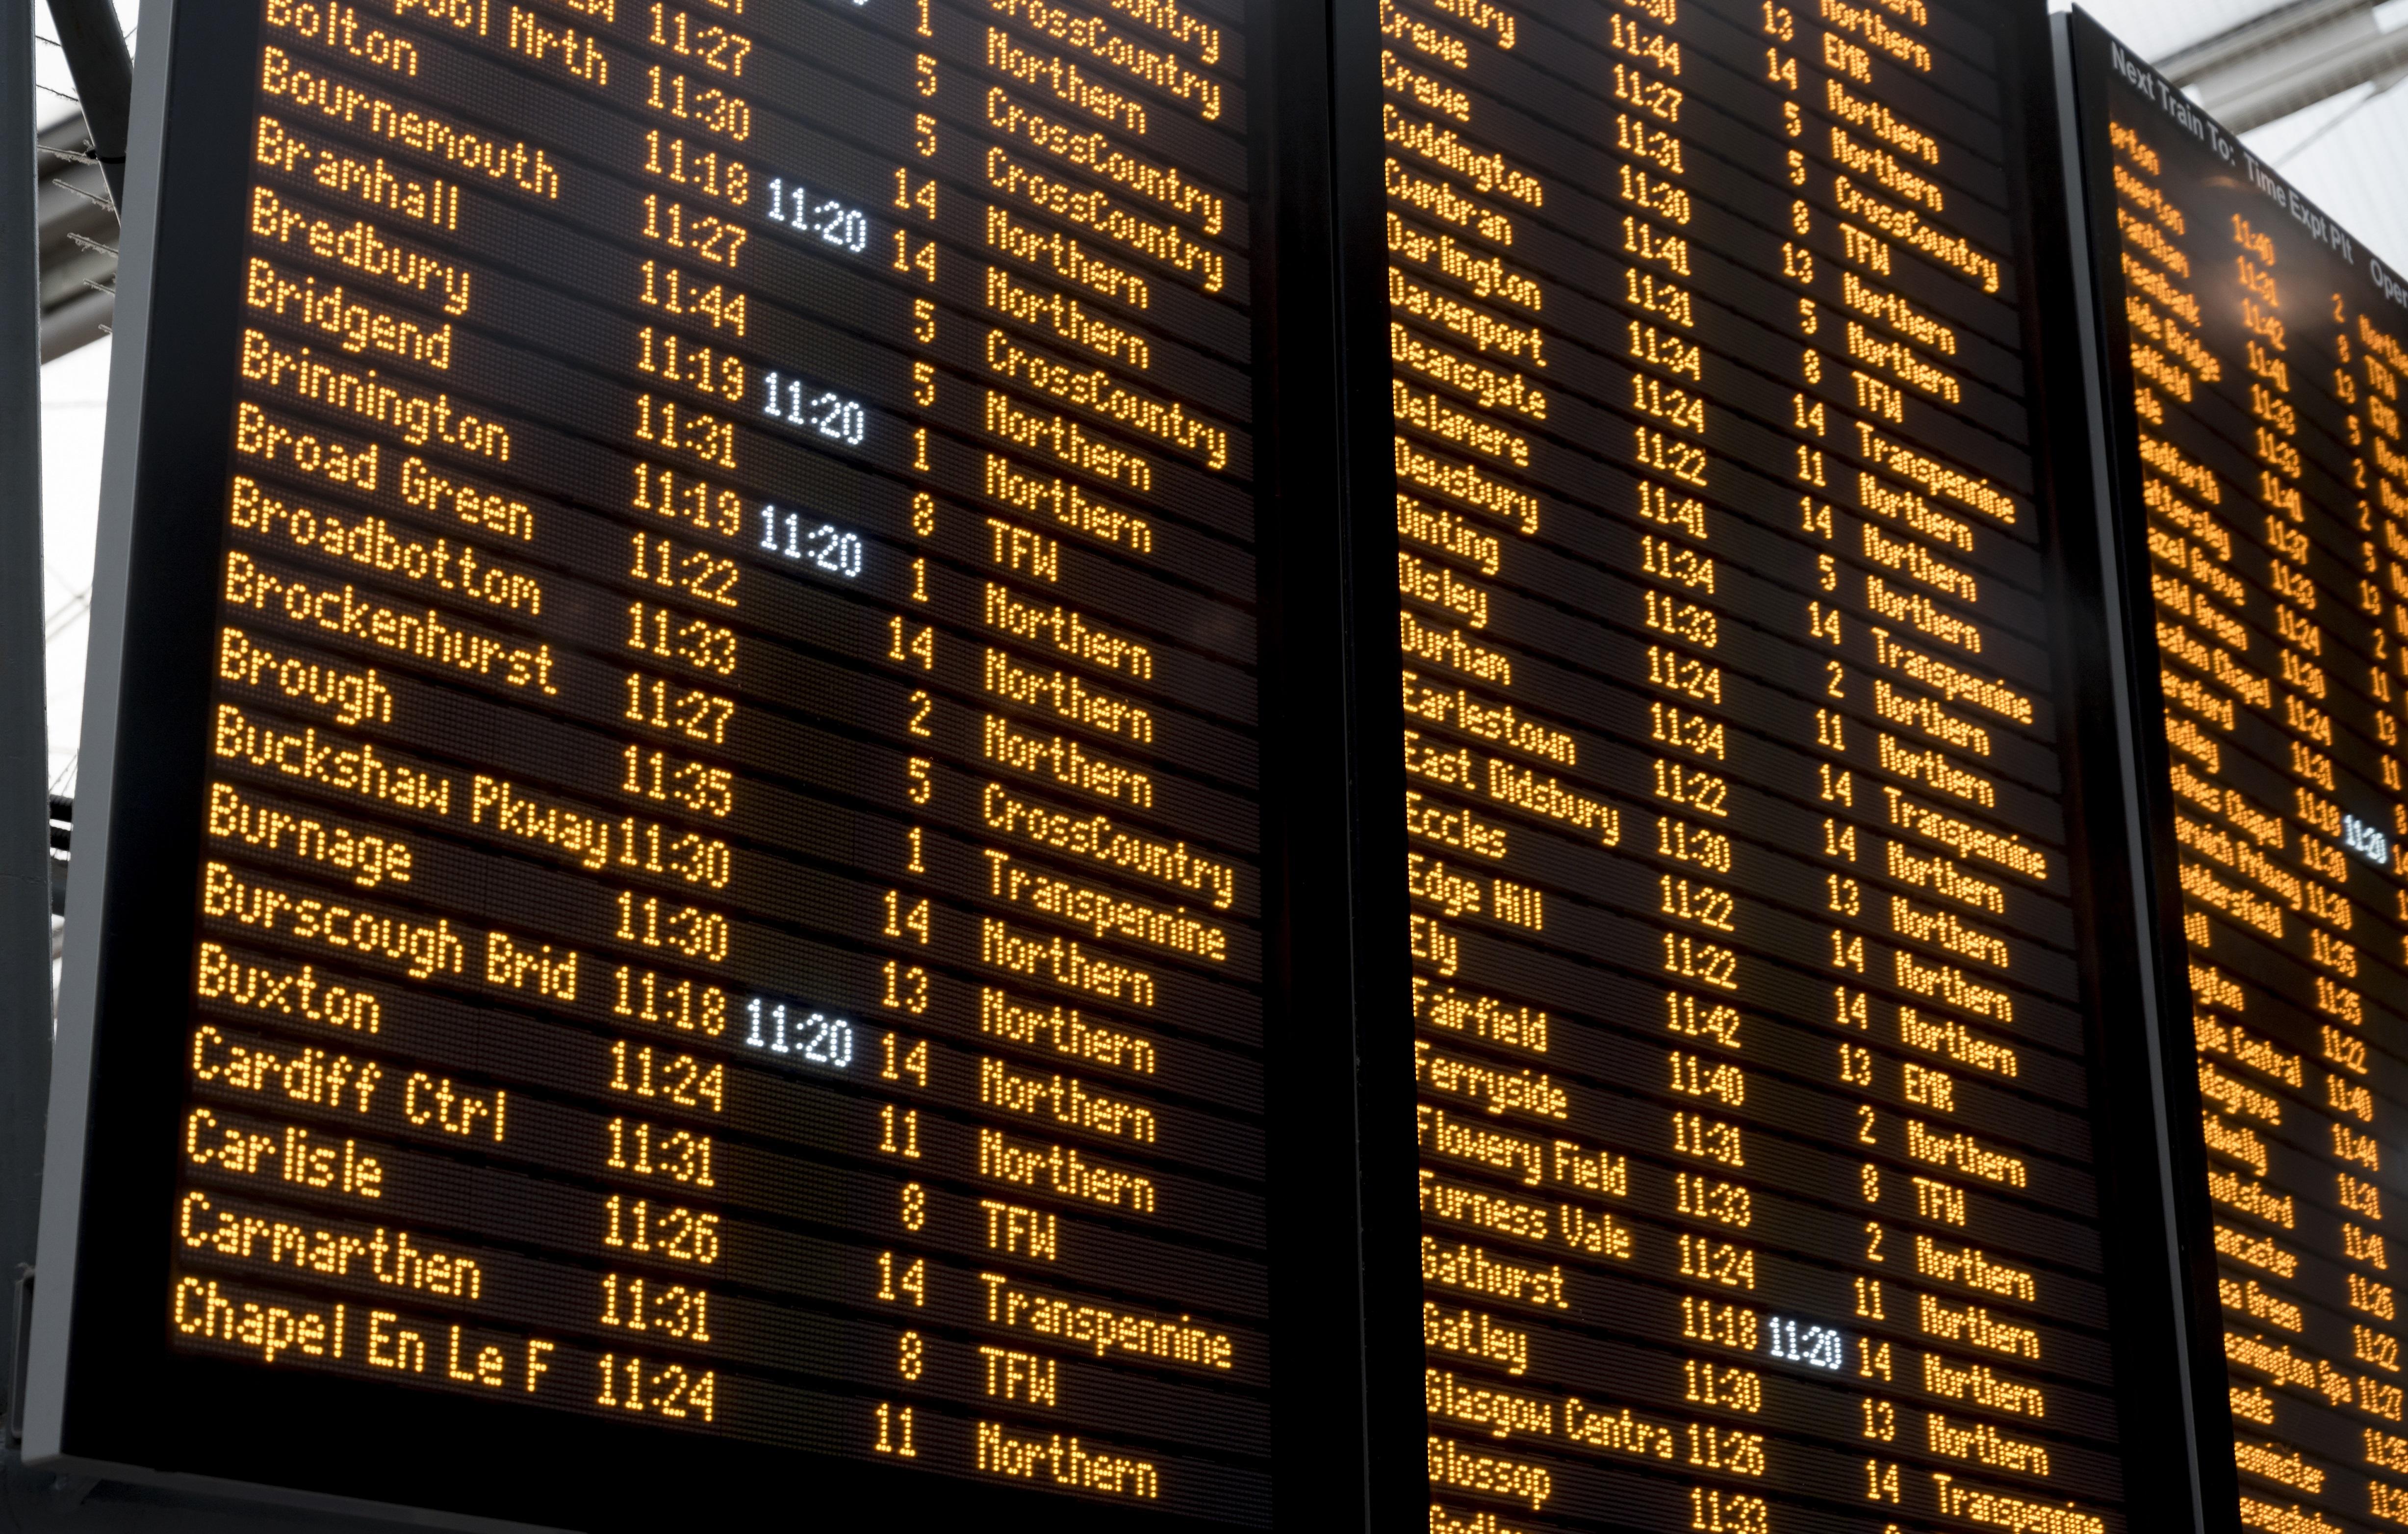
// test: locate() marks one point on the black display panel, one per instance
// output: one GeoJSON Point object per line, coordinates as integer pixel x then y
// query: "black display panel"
{"type": "Point", "coordinates": [694, 877]}
{"type": "Point", "coordinates": [1764, 1142]}
{"type": "Point", "coordinates": [2253, 352]}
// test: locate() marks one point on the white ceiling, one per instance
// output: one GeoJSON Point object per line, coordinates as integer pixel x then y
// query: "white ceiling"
{"type": "Point", "coordinates": [2156, 28]}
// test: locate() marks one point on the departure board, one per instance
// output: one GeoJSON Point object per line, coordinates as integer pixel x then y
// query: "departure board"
{"type": "Point", "coordinates": [2253, 355]}
{"type": "Point", "coordinates": [713, 906]}
{"type": "Point", "coordinates": [739, 849]}
{"type": "Point", "coordinates": [1756, 1079]}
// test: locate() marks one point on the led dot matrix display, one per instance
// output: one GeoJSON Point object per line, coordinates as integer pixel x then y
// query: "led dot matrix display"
{"type": "Point", "coordinates": [806, 694]}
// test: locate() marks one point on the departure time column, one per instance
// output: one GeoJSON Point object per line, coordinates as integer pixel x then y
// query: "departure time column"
{"type": "Point", "coordinates": [682, 686]}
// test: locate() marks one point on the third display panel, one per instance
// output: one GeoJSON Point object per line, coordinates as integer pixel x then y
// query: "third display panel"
{"type": "Point", "coordinates": [2253, 354]}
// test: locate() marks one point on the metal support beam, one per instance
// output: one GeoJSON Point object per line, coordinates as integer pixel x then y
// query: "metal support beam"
{"type": "Point", "coordinates": [95, 44]}
{"type": "Point", "coordinates": [2289, 59]}
{"type": "Point", "coordinates": [79, 224]}
{"type": "Point", "coordinates": [24, 753]}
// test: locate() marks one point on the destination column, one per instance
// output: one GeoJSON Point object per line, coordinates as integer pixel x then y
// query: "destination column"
{"type": "Point", "coordinates": [370, 557]}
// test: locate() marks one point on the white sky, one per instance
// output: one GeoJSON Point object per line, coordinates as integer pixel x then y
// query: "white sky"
{"type": "Point", "coordinates": [75, 392]}
{"type": "Point", "coordinates": [2349, 153]}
